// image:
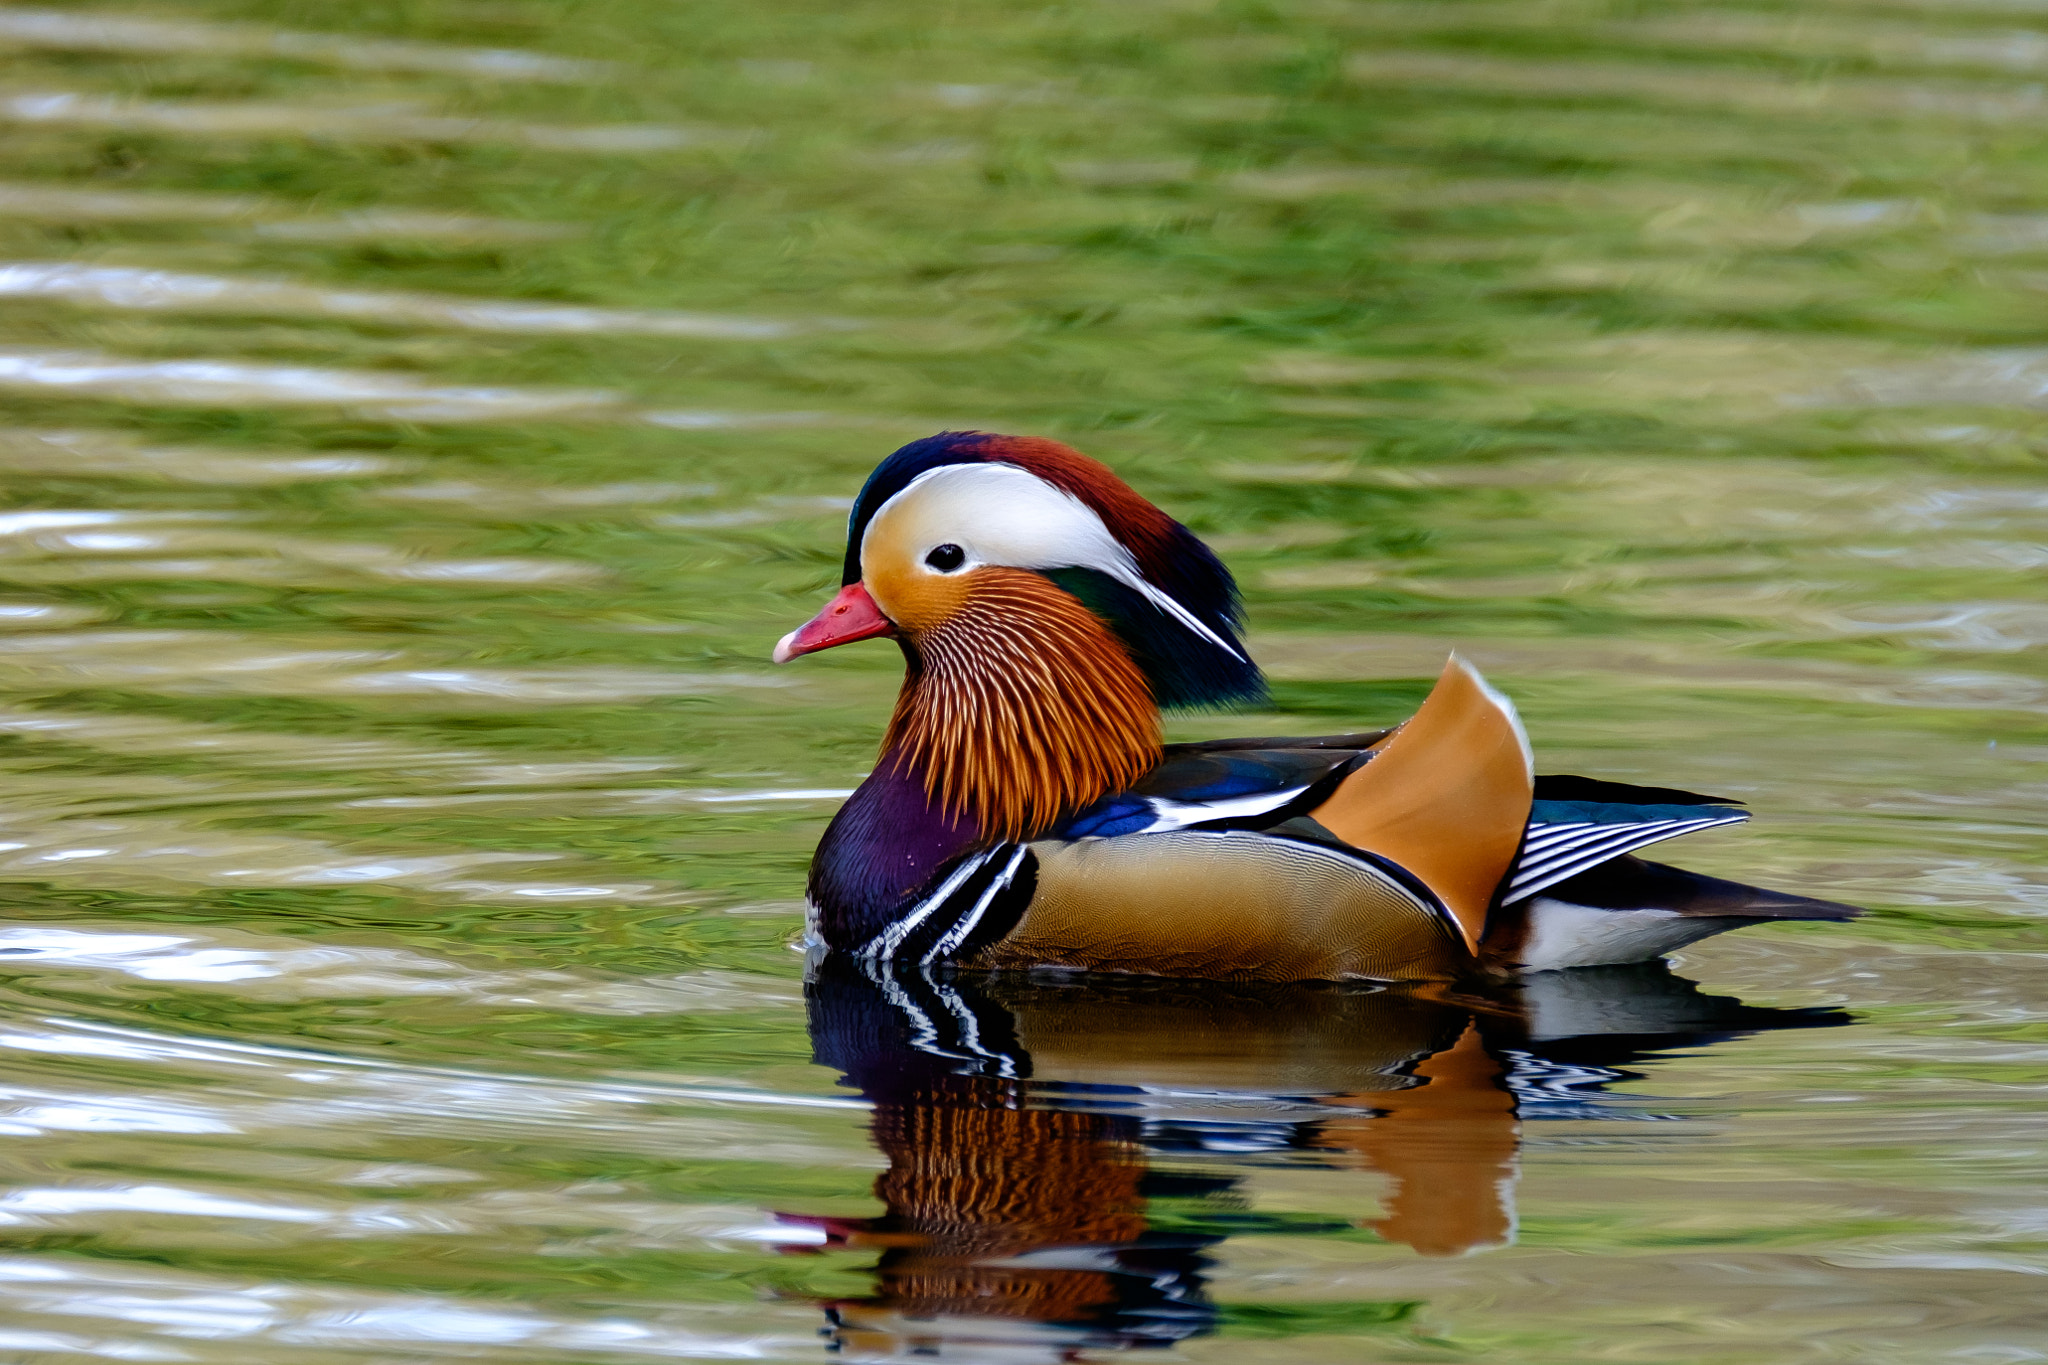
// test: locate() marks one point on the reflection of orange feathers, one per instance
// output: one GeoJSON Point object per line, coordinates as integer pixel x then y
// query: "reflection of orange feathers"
{"type": "Point", "coordinates": [1449, 1147]}
{"type": "Point", "coordinates": [1008, 1178]}
{"type": "Point", "coordinates": [1023, 708]}
{"type": "Point", "coordinates": [983, 1184]}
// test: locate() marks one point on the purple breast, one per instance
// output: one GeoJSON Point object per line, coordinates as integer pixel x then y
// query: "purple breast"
{"type": "Point", "coordinates": [886, 843]}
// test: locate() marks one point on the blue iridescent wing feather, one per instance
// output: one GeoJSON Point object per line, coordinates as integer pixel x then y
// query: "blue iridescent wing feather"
{"type": "Point", "coordinates": [1204, 786]}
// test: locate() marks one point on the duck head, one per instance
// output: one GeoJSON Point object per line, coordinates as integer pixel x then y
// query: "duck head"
{"type": "Point", "coordinates": [1045, 611]}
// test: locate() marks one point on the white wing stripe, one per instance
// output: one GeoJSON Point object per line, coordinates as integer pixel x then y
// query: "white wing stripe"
{"type": "Point", "coordinates": [1612, 837]}
{"type": "Point", "coordinates": [1552, 870]}
{"type": "Point", "coordinates": [1561, 860]}
{"type": "Point", "coordinates": [1179, 814]}
{"type": "Point", "coordinates": [1543, 840]}
{"type": "Point", "coordinates": [1545, 836]}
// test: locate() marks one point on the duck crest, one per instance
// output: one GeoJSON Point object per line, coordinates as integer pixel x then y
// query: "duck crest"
{"type": "Point", "coordinates": [1182, 627]}
{"type": "Point", "coordinates": [1021, 708]}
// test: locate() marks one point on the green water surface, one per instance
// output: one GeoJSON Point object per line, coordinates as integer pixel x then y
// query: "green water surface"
{"type": "Point", "coordinates": [420, 417]}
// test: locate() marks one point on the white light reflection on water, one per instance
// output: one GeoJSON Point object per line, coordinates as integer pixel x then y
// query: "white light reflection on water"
{"type": "Point", "coordinates": [259, 968]}
{"type": "Point", "coordinates": [288, 1323]}
{"type": "Point", "coordinates": [767, 511]}
{"type": "Point", "coordinates": [2005, 377]}
{"type": "Point", "coordinates": [1978, 627]}
{"type": "Point", "coordinates": [116, 454]}
{"type": "Point", "coordinates": [460, 1090]}
{"type": "Point", "coordinates": [364, 124]}
{"type": "Point", "coordinates": [72, 547]}
{"type": "Point", "coordinates": [498, 499]}
{"type": "Point", "coordinates": [40, 1206]}
{"type": "Point", "coordinates": [164, 854]}
{"type": "Point", "coordinates": [612, 1223]}
{"type": "Point", "coordinates": [380, 394]}
{"type": "Point", "coordinates": [131, 287]}
{"type": "Point", "coordinates": [231, 383]}
{"type": "Point", "coordinates": [221, 661]}
{"type": "Point", "coordinates": [1749, 91]}
{"type": "Point", "coordinates": [540, 686]}
{"type": "Point", "coordinates": [19, 615]}
{"type": "Point", "coordinates": [72, 31]}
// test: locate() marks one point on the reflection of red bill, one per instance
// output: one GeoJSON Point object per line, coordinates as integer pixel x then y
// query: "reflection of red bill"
{"type": "Point", "coordinates": [850, 616]}
{"type": "Point", "coordinates": [811, 1232]}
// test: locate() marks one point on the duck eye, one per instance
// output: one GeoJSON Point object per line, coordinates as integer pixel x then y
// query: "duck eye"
{"type": "Point", "coordinates": [946, 558]}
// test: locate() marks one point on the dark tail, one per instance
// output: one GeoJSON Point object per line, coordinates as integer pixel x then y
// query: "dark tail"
{"type": "Point", "coordinates": [1630, 883]}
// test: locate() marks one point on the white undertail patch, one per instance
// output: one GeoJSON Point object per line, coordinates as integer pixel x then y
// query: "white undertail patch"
{"type": "Point", "coordinates": [1562, 934]}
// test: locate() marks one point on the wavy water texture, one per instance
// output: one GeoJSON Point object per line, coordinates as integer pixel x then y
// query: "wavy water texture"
{"type": "Point", "coordinates": [121, 455]}
{"type": "Point", "coordinates": [78, 108]}
{"type": "Point", "coordinates": [75, 32]}
{"type": "Point", "coordinates": [57, 203]}
{"type": "Point", "coordinates": [418, 422]}
{"type": "Point", "coordinates": [122, 287]}
{"type": "Point", "coordinates": [377, 394]}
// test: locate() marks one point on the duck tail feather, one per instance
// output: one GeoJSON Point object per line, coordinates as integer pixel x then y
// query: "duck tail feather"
{"type": "Point", "coordinates": [1630, 883]}
{"type": "Point", "coordinates": [1571, 787]}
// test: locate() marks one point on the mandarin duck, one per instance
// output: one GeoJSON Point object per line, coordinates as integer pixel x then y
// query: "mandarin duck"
{"type": "Point", "coordinates": [1024, 812]}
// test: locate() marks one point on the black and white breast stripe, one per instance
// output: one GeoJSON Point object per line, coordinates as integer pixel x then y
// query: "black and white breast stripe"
{"type": "Point", "coordinates": [978, 902]}
{"type": "Point", "coordinates": [1554, 853]}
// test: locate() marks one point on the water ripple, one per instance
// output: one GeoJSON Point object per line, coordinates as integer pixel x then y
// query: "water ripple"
{"type": "Point", "coordinates": [130, 287]}
{"type": "Point", "coordinates": [1739, 89]}
{"type": "Point", "coordinates": [359, 124]}
{"type": "Point", "coordinates": [233, 383]}
{"type": "Point", "coordinates": [381, 394]}
{"type": "Point", "coordinates": [118, 454]}
{"type": "Point", "coordinates": [276, 970]}
{"type": "Point", "coordinates": [221, 662]}
{"type": "Point", "coordinates": [614, 1224]}
{"type": "Point", "coordinates": [267, 750]}
{"type": "Point", "coordinates": [58, 203]}
{"type": "Point", "coordinates": [2002, 378]}
{"type": "Point", "coordinates": [501, 499]}
{"type": "Point", "coordinates": [69, 30]}
{"type": "Point", "coordinates": [95, 546]}
{"type": "Point", "coordinates": [288, 1323]}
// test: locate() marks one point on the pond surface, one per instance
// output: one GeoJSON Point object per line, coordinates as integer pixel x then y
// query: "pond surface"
{"type": "Point", "coordinates": [419, 420]}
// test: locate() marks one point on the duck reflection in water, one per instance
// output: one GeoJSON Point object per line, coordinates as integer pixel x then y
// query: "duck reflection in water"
{"type": "Point", "coordinates": [1022, 1118]}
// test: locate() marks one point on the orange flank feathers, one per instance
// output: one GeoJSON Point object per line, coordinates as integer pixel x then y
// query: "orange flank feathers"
{"type": "Point", "coordinates": [1446, 797]}
{"type": "Point", "coordinates": [1021, 706]}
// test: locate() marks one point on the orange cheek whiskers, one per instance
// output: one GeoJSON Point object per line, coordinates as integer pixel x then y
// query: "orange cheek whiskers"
{"type": "Point", "coordinates": [1024, 708]}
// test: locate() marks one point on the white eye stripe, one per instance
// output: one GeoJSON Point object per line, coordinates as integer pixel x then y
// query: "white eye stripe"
{"type": "Point", "coordinates": [998, 514]}
{"type": "Point", "coordinates": [1001, 514]}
